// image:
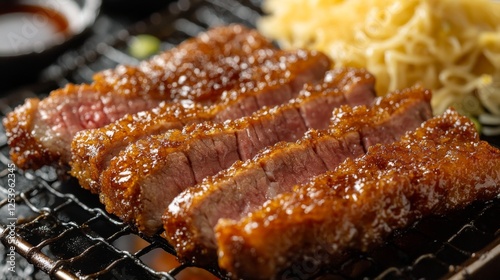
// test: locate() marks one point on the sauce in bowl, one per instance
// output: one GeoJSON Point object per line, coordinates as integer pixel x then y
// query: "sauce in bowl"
{"type": "Point", "coordinates": [34, 33]}
{"type": "Point", "coordinates": [29, 28]}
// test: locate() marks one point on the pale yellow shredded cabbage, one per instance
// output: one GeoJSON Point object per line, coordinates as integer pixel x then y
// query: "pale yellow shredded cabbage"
{"type": "Point", "coordinates": [449, 46]}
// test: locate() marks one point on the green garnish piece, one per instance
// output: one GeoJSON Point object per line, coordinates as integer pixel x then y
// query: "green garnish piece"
{"type": "Point", "coordinates": [476, 122]}
{"type": "Point", "coordinates": [143, 46]}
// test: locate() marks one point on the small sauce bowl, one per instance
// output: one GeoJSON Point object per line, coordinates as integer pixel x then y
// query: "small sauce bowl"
{"type": "Point", "coordinates": [33, 33]}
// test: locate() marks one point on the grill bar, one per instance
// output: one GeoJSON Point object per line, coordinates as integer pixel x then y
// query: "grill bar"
{"type": "Point", "coordinates": [480, 266]}
{"type": "Point", "coordinates": [63, 231]}
{"type": "Point", "coordinates": [29, 252]}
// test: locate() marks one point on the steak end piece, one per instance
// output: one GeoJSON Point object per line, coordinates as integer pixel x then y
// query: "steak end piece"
{"type": "Point", "coordinates": [438, 167]}
{"type": "Point", "coordinates": [27, 151]}
{"type": "Point", "coordinates": [40, 131]}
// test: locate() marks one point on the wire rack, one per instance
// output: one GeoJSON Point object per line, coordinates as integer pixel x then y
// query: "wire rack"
{"type": "Point", "coordinates": [61, 231]}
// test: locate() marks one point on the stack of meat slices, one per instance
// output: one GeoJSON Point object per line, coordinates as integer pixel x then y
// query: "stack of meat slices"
{"type": "Point", "coordinates": [245, 186]}
{"type": "Point", "coordinates": [228, 72]}
{"type": "Point", "coordinates": [253, 158]}
{"type": "Point", "coordinates": [135, 189]}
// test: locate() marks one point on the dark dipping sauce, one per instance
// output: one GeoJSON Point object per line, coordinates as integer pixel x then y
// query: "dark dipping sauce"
{"type": "Point", "coordinates": [28, 28]}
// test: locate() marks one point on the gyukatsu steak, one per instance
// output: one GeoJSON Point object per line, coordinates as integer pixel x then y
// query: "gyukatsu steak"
{"type": "Point", "coordinates": [439, 167]}
{"type": "Point", "coordinates": [188, 71]}
{"type": "Point", "coordinates": [144, 178]}
{"type": "Point", "coordinates": [40, 131]}
{"type": "Point", "coordinates": [190, 219]}
{"type": "Point", "coordinates": [266, 77]}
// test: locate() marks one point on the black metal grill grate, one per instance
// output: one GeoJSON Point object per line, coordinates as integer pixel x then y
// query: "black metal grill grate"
{"type": "Point", "coordinates": [63, 232]}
